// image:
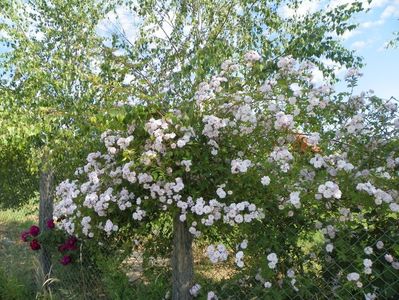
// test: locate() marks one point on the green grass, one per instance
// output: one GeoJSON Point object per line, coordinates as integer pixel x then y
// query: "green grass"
{"type": "Point", "coordinates": [16, 259]}
{"type": "Point", "coordinates": [21, 276]}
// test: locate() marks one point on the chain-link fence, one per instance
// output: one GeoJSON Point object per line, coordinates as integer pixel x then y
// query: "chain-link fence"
{"type": "Point", "coordinates": [141, 277]}
{"type": "Point", "coordinates": [361, 264]}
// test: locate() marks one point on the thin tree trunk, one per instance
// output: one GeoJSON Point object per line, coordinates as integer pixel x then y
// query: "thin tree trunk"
{"type": "Point", "coordinates": [45, 213]}
{"type": "Point", "coordinates": [182, 261]}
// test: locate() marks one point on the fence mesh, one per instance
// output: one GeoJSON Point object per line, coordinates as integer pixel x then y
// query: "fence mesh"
{"type": "Point", "coordinates": [144, 270]}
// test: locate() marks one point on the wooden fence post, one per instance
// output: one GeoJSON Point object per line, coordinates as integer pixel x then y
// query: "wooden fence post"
{"type": "Point", "coordinates": [45, 213]}
{"type": "Point", "coordinates": [182, 261]}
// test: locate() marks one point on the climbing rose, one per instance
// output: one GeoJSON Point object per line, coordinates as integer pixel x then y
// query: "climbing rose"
{"type": "Point", "coordinates": [353, 276]}
{"type": "Point", "coordinates": [265, 180]}
{"type": "Point", "coordinates": [62, 247]}
{"type": "Point", "coordinates": [34, 245]}
{"type": "Point", "coordinates": [34, 230]}
{"type": "Point", "coordinates": [24, 236]}
{"type": "Point", "coordinates": [71, 242]}
{"type": "Point", "coordinates": [50, 224]}
{"type": "Point", "coordinates": [66, 260]}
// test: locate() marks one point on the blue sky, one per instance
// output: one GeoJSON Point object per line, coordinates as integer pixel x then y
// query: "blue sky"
{"type": "Point", "coordinates": [381, 72]}
{"type": "Point", "coordinates": [376, 27]}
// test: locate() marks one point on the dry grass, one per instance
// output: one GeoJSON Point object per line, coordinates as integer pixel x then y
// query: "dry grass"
{"type": "Point", "coordinates": [208, 271]}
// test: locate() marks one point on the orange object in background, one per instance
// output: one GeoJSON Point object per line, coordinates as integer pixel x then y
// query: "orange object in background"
{"type": "Point", "coordinates": [302, 141]}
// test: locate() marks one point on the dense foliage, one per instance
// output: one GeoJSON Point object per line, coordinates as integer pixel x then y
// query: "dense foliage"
{"type": "Point", "coordinates": [53, 91]}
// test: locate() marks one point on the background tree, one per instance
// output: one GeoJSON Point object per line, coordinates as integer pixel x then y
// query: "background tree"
{"type": "Point", "coordinates": [53, 97]}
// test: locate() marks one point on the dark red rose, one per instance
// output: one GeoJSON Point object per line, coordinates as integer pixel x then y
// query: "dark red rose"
{"type": "Point", "coordinates": [65, 260]}
{"type": "Point", "coordinates": [34, 245]}
{"type": "Point", "coordinates": [71, 247]}
{"type": "Point", "coordinates": [34, 230]}
{"type": "Point", "coordinates": [62, 247]}
{"type": "Point", "coordinates": [71, 243]}
{"type": "Point", "coordinates": [24, 236]}
{"type": "Point", "coordinates": [50, 224]}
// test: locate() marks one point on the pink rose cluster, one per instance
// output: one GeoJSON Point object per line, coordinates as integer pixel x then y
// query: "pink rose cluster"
{"type": "Point", "coordinates": [33, 237]}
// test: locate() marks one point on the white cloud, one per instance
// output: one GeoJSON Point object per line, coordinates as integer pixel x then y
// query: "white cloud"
{"type": "Point", "coordinates": [366, 5]}
{"type": "Point", "coordinates": [372, 24]}
{"type": "Point", "coordinates": [377, 3]}
{"type": "Point", "coordinates": [337, 68]}
{"type": "Point", "coordinates": [4, 34]}
{"type": "Point", "coordinates": [390, 11]}
{"type": "Point", "coordinates": [165, 29]}
{"type": "Point", "coordinates": [121, 21]}
{"type": "Point", "coordinates": [359, 45]}
{"type": "Point", "coordinates": [336, 3]}
{"type": "Point", "coordinates": [317, 76]}
{"type": "Point", "coordinates": [119, 52]}
{"type": "Point", "coordinates": [304, 8]}
{"type": "Point", "coordinates": [349, 34]}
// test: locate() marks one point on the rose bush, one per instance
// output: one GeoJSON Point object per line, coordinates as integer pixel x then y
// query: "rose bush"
{"type": "Point", "coordinates": [55, 239]}
{"type": "Point", "coordinates": [289, 177]}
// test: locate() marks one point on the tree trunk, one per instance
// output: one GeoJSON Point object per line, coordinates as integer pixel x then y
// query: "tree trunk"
{"type": "Point", "coordinates": [182, 261]}
{"type": "Point", "coordinates": [45, 213]}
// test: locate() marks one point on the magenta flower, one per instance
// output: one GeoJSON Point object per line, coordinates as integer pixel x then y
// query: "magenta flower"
{"type": "Point", "coordinates": [71, 247]}
{"type": "Point", "coordinates": [34, 245]}
{"type": "Point", "coordinates": [34, 230]}
{"type": "Point", "coordinates": [65, 260]}
{"type": "Point", "coordinates": [24, 236]}
{"type": "Point", "coordinates": [50, 224]}
{"type": "Point", "coordinates": [71, 243]}
{"type": "Point", "coordinates": [62, 247]}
